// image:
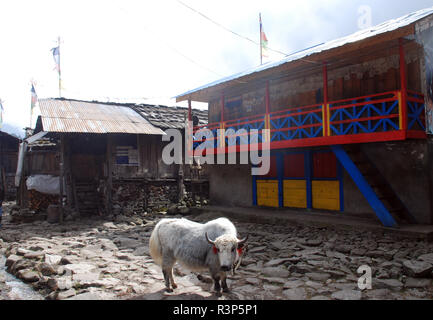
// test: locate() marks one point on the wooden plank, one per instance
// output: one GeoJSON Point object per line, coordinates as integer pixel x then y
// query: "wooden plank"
{"type": "Point", "coordinates": [267, 193]}
{"type": "Point", "coordinates": [110, 173]}
{"type": "Point", "coordinates": [62, 174]}
{"type": "Point", "coordinates": [295, 193]}
{"type": "Point", "coordinates": [326, 195]}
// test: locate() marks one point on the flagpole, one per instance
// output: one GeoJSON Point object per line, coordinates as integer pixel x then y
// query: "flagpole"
{"type": "Point", "coordinates": [60, 72]}
{"type": "Point", "coordinates": [260, 21]}
{"type": "Point", "coordinates": [31, 104]}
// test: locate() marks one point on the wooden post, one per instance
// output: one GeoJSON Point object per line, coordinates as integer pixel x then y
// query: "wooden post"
{"type": "Point", "coordinates": [222, 137]}
{"type": "Point", "coordinates": [110, 174]}
{"type": "Point", "coordinates": [403, 86]}
{"type": "Point", "coordinates": [189, 110]}
{"type": "Point", "coordinates": [61, 176]}
{"type": "Point", "coordinates": [325, 112]}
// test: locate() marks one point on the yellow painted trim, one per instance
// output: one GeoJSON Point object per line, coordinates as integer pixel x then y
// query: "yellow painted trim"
{"type": "Point", "coordinates": [329, 119]}
{"type": "Point", "coordinates": [323, 120]}
{"type": "Point", "coordinates": [267, 127]}
{"type": "Point", "coordinates": [222, 135]}
{"type": "Point", "coordinates": [400, 111]}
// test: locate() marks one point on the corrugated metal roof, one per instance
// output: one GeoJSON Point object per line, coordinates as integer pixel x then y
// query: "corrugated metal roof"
{"type": "Point", "coordinates": [61, 115]}
{"type": "Point", "coordinates": [384, 27]}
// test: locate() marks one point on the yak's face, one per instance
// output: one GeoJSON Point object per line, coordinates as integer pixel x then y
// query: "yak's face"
{"type": "Point", "coordinates": [226, 247]}
{"type": "Point", "coordinates": [229, 249]}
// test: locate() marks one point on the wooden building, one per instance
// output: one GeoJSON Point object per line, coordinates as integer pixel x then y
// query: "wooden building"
{"type": "Point", "coordinates": [8, 162]}
{"type": "Point", "coordinates": [345, 122]}
{"type": "Point", "coordinates": [108, 155]}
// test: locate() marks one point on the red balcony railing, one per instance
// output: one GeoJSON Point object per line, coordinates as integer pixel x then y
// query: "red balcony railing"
{"type": "Point", "coordinates": [373, 118]}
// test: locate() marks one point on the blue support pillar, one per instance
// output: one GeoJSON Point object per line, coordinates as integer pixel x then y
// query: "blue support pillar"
{"type": "Point", "coordinates": [254, 183]}
{"type": "Point", "coordinates": [369, 194]}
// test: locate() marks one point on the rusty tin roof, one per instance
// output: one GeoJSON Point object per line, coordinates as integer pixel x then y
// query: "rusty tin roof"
{"type": "Point", "coordinates": [62, 115]}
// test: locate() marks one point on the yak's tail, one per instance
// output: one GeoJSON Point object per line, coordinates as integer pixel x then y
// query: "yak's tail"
{"type": "Point", "coordinates": [155, 246]}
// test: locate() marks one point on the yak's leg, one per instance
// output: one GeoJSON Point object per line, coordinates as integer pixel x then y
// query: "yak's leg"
{"type": "Point", "coordinates": [224, 282]}
{"type": "Point", "coordinates": [167, 270]}
{"type": "Point", "coordinates": [170, 275]}
{"type": "Point", "coordinates": [216, 278]}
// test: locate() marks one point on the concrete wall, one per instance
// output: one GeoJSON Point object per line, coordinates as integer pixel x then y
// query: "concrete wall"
{"type": "Point", "coordinates": [404, 165]}
{"type": "Point", "coordinates": [230, 185]}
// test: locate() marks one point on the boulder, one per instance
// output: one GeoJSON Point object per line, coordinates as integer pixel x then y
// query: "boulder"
{"type": "Point", "coordinates": [28, 275]}
{"type": "Point", "coordinates": [347, 295]}
{"type": "Point", "coordinates": [392, 284]}
{"type": "Point", "coordinates": [279, 272]}
{"type": "Point", "coordinates": [11, 260]}
{"type": "Point", "coordinates": [427, 258]}
{"type": "Point", "coordinates": [322, 277]}
{"type": "Point", "coordinates": [52, 259]}
{"type": "Point", "coordinates": [75, 268]}
{"type": "Point", "coordinates": [46, 269]}
{"type": "Point", "coordinates": [66, 294]}
{"type": "Point", "coordinates": [295, 294]}
{"type": "Point", "coordinates": [417, 269]}
{"type": "Point", "coordinates": [417, 283]}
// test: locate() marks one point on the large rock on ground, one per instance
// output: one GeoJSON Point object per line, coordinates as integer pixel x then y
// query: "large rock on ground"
{"type": "Point", "coordinates": [279, 272]}
{"type": "Point", "coordinates": [418, 283]}
{"type": "Point", "coordinates": [347, 295]}
{"type": "Point", "coordinates": [295, 294]}
{"type": "Point", "coordinates": [426, 258]}
{"type": "Point", "coordinates": [75, 268]}
{"type": "Point", "coordinates": [392, 284]}
{"type": "Point", "coordinates": [11, 260]}
{"type": "Point", "coordinates": [28, 275]}
{"type": "Point", "coordinates": [46, 269]}
{"type": "Point", "coordinates": [53, 259]}
{"type": "Point", "coordinates": [417, 269]}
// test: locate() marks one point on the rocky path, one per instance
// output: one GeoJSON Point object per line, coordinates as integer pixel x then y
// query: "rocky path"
{"type": "Point", "coordinates": [96, 259]}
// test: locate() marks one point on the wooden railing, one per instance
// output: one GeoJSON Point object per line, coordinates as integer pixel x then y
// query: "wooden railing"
{"type": "Point", "coordinates": [373, 118]}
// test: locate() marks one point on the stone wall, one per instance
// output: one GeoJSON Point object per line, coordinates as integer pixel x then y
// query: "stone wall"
{"type": "Point", "coordinates": [230, 185]}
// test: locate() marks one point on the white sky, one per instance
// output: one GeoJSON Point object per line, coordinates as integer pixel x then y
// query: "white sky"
{"type": "Point", "coordinates": [129, 51]}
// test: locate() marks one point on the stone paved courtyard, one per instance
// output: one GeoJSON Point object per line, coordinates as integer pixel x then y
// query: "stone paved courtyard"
{"type": "Point", "coordinates": [99, 259]}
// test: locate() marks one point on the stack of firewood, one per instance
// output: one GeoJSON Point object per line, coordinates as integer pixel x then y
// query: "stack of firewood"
{"type": "Point", "coordinates": [40, 201]}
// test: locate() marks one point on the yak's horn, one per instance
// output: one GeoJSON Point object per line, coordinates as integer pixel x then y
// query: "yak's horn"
{"type": "Point", "coordinates": [209, 240]}
{"type": "Point", "coordinates": [242, 241]}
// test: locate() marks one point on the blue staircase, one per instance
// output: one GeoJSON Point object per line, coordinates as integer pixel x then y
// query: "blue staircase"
{"type": "Point", "coordinates": [382, 199]}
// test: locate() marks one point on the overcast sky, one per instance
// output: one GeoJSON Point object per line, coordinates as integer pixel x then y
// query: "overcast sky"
{"type": "Point", "coordinates": [151, 51]}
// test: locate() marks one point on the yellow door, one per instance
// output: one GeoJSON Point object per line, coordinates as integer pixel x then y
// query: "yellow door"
{"type": "Point", "coordinates": [295, 193]}
{"type": "Point", "coordinates": [326, 195]}
{"type": "Point", "coordinates": [267, 193]}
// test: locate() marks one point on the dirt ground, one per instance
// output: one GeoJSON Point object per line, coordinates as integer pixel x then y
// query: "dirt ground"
{"type": "Point", "coordinates": [100, 259]}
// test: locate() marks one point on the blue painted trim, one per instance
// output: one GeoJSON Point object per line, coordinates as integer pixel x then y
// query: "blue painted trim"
{"type": "Point", "coordinates": [308, 167]}
{"type": "Point", "coordinates": [340, 175]}
{"type": "Point", "coordinates": [254, 190]}
{"type": "Point", "coordinates": [378, 207]}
